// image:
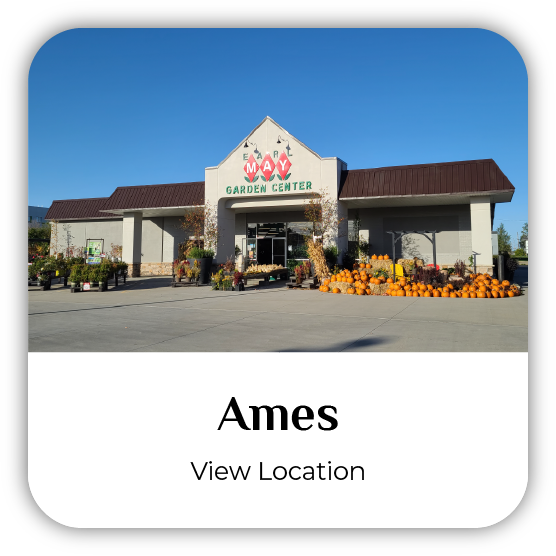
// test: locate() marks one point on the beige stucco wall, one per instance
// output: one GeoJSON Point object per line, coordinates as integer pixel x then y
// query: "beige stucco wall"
{"type": "Point", "coordinates": [81, 230]}
{"type": "Point", "coordinates": [307, 167]}
{"type": "Point", "coordinates": [452, 222]}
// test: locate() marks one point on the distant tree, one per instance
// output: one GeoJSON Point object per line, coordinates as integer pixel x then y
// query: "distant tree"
{"type": "Point", "coordinates": [524, 235]}
{"type": "Point", "coordinates": [520, 252]}
{"type": "Point", "coordinates": [38, 231]}
{"type": "Point", "coordinates": [504, 241]}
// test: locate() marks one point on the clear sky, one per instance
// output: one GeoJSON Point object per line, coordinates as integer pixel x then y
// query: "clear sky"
{"type": "Point", "coordinates": [115, 107]}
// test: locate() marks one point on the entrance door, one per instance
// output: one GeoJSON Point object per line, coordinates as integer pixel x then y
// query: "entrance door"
{"type": "Point", "coordinates": [264, 251]}
{"type": "Point", "coordinates": [279, 251]}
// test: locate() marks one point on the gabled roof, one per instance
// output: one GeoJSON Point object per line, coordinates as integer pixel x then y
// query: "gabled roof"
{"type": "Point", "coordinates": [267, 118]}
{"type": "Point", "coordinates": [156, 196]}
{"type": "Point", "coordinates": [467, 176]}
{"type": "Point", "coordinates": [78, 209]}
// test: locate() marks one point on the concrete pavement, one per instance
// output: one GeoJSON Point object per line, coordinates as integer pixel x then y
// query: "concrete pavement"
{"type": "Point", "coordinates": [148, 315]}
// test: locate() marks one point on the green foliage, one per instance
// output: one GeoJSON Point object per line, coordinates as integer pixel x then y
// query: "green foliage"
{"type": "Point", "coordinates": [524, 235]}
{"type": "Point", "coordinates": [504, 240]}
{"type": "Point", "coordinates": [299, 252]}
{"type": "Point", "coordinates": [40, 232]}
{"type": "Point", "coordinates": [198, 253]}
{"type": "Point", "coordinates": [520, 253]}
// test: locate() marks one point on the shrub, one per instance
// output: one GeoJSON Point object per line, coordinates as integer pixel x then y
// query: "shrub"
{"type": "Point", "coordinates": [198, 253]}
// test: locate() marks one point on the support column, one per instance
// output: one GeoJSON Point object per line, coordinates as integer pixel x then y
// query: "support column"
{"type": "Point", "coordinates": [131, 241]}
{"type": "Point", "coordinates": [481, 230]}
{"type": "Point", "coordinates": [226, 228]}
{"type": "Point", "coordinates": [342, 238]}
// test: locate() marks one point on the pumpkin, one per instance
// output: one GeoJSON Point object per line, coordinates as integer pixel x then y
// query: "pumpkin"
{"type": "Point", "coordinates": [361, 265]}
{"type": "Point", "coordinates": [482, 289]}
{"type": "Point", "coordinates": [389, 281]}
{"type": "Point", "coordinates": [465, 294]}
{"type": "Point", "coordinates": [350, 291]}
{"type": "Point", "coordinates": [481, 293]}
{"type": "Point", "coordinates": [386, 257]}
{"type": "Point", "coordinates": [368, 265]}
{"type": "Point", "coordinates": [429, 287]}
{"type": "Point", "coordinates": [326, 282]}
{"type": "Point", "coordinates": [415, 294]}
{"type": "Point", "coordinates": [374, 257]}
{"type": "Point", "coordinates": [436, 293]}
{"type": "Point", "coordinates": [453, 294]}
{"type": "Point", "coordinates": [368, 292]}
{"type": "Point", "coordinates": [360, 291]}
{"type": "Point", "coordinates": [325, 289]}
{"type": "Point", "coordinates": [510, 293]}
{"type": "Point", "coordinates": [472, 294]}
{"type": "Point", "coordinates": [401, 293]}
{"type": "Point", "coordinates": [426, 293]}
{"type": "Point", "coordinates": [445, 294]}
{"type": "Point", "coordinates": [502, 294]}
{"type": "Point", "coordinates": [506, 283]}
{"type": "Point", "coordinates": [380, 258]}
{"type": "Point", "coordinates": [333, 278]}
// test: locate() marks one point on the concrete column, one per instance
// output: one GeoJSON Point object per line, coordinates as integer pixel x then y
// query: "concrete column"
{"type": "Point", "coordinates": [131, 241]}
{"type": "Point", "coordinates": [342, 238]}
{"type": "Point", "coordinates": [227, 230]}
{"type": "Point", "coordinates": [481, 230]}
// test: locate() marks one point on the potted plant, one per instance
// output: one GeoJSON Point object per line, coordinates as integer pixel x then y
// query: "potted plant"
{"type": "Point", "coordinates": [216, 280]}
{"type": "Point", "coordinates": [239, 286]}
{"type": "Point", "coordinates": [102, 277]}
{"type": "Point", "coordinates": [195, 271]}
{"type": "Point", "coordinates": [75, 275]}
{"type": "Point", "coordinates": [204, 259]}
{"type": "Point", "coordinates": [227, 283]}
{"type": "Point", "coordinates": [188, 275]}
{"type": "Point", "coordinates": [299, 274]}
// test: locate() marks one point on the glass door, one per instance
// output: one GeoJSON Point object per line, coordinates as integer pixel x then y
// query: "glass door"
{"type": "Point", "coordinates": [279, 251]}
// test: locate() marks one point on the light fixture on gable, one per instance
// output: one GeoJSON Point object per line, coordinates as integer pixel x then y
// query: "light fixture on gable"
{"type": "Point", "coordinates": [279, 142]}
{"type": "Point", "coordinates": [246, 146]}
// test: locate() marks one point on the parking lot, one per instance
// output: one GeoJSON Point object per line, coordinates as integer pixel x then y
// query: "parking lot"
{"type": "Point", "coordinates": [148, 315]}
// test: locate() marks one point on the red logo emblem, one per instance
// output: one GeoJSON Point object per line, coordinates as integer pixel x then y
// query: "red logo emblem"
{"type": "Point", "coordinates": [283, 166]}
{"type": "Point", "coordinates": [267, 167]}
{"type": "Point", "coordinates": [251, 168]}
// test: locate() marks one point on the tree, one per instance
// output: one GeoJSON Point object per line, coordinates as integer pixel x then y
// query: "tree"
{"type": "Point", "coordinates": [203, 223]}
{"type": "Point", "coordinates": [38, 231]}
{"type": "Point", "coordinates": [504, 242]}
{"type": "Point", "coordinates": [524, 235]}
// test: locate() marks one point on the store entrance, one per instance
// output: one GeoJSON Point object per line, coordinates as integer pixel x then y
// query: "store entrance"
{"type": "Point", "coordinates": [264, 251]}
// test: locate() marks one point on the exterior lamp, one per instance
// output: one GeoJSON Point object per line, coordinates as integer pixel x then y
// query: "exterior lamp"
{"type": "Point", "coordinates": [279, 142]}
{"type": "Point", "coordinates": [246, 146]}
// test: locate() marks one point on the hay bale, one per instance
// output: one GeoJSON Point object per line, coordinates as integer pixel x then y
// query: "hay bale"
{"type": "Point", "coordinates": [408, 264]}
{"type": "Point", "coordinates": [378, 289]}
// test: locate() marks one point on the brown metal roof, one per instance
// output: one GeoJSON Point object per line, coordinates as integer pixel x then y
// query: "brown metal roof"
{"type": "Point", "coordinates": [468, 176]}
{"type": "Point", "coordinates": [157, 196]}
{"type": "Point", "coordinates": [77, 209]}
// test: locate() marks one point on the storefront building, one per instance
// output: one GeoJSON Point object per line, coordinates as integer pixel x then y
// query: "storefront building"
{"type": "Point", "coordinates": [260, 190]}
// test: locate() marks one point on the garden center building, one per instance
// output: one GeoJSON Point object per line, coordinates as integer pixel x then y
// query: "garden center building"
{"type": "Point", "coordinates": [259, 192]}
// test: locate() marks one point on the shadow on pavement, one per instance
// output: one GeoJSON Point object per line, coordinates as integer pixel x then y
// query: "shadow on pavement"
{"type": "Point", "coordinates": [365, 343]}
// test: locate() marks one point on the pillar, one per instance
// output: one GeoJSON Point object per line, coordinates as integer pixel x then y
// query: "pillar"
{"type": "Point", "coordinates": [481, 230]}
{"type": "Point", "coordinates": [131, 241]}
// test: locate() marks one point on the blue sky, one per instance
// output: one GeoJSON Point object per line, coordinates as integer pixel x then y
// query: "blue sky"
{"type": "Point", "coordinates": [114, 107]}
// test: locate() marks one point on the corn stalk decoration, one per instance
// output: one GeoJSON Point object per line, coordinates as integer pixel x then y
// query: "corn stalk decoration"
{"type": "Point", "coordinates": [322, 212]}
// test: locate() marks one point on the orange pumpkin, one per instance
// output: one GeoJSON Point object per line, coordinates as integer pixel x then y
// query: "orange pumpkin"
{"type": "Point", "coordinates": [481, 293]}
{"type": "Point", "coordinates": [386, 257]}
{"type": "Point", "coordinates": [506, 283]}
{"type": "Point", "coordinates": [436, 293]}
{"type": "Point", "coordinates": [374, 257]}
{"type": "Point", "coordinates": [495, 282]}
{"type": "Point", "coordinates": [510, 293]}
{"type": "Point", "coordinates": [333, 278]}
{"type": "Point", "coordinates": [380, 258]}
{"type": "Point", "coordinates": [390, 281]}
{"type": "Point", "coordinates": [426, 293]}
{"type": "Point", "coordinates": [351, 291]}
{"type": "Point", "coordinates": [325, 289]}
{"type": "Point", "coordinates": [401, 293]}
{"type": "Point", "coordinates": [368, 265]}
{"type": "Point", "coordinates": [453, 294]}
{"type": "Point", "coordinates": [368, 292]}
{"type": "Point", "coordinates": [502, 294]}
{"type": "Point", "coordinates": [465, 294]}
{"type": "Point", "coordinates": [361, 265]}
{"type": "Point", "coordinates": [472, 294]}
{"type": "Point", "coordinates": [416, 294]}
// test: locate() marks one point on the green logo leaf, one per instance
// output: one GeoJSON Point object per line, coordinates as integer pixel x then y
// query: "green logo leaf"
{"type": "Point", "coordinates": [263, 178]}
{"type": "Point", "coordinates": [246, 179]}
{"type": "Point", "coordinates": [255, 179]}
{"type": "Point", "coordinates": [287, 176]}
{"type": "Point", "coordinates": [272, 177]}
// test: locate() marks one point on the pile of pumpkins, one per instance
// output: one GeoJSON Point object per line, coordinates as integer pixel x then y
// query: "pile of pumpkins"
{"type": "Point", "coordinates": [482, 286]}
{"type": "Point", "coordinates": [358, 280]}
